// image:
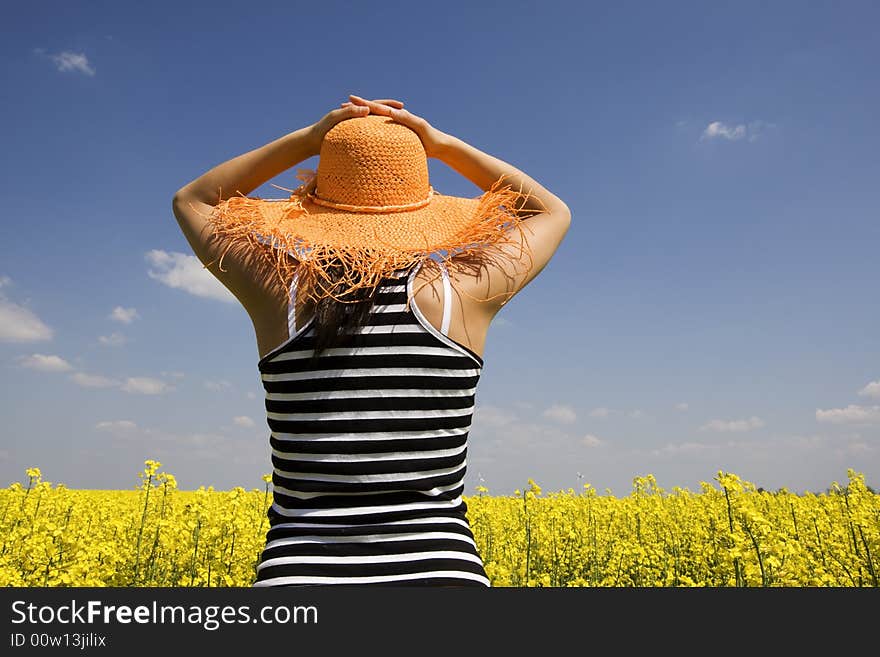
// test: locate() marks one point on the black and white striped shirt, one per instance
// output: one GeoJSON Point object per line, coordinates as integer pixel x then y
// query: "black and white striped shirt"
{"type": "Point", "coordinates": [369, 446]}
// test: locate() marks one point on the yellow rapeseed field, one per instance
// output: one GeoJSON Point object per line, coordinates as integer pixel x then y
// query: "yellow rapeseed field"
{"type": "Point", "coordinates": [729, 534]}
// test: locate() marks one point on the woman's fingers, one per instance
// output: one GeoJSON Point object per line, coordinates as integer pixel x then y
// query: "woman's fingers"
{"type": "Point", "coordinates": [390, 102]}
{"type": "Point", "coordinates": [385, 101]}
{"type": "Point", "coordinates": [430, 136]}
{"type": "Point", "coordinates": [375, 108]}
{"type": "Point", "coordinates": [381, 106]}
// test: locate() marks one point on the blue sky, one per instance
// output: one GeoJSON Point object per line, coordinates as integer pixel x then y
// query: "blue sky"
{"type": "Point", "coordinates": [713, 306]}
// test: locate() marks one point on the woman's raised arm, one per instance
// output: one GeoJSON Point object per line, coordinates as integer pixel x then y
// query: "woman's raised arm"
{"type": "Point", "coordinates": [242, 273]}
{"type": "Point", "coordinates": [541, 233]}
{"type": "Point", "coordinates": [547, 217]}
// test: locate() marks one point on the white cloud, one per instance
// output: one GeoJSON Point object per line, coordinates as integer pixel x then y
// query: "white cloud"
{"type": "Point", "coordinates": [129, 430]}
{"type": "Point", "coordinates": [503, 428]}
{"type": "Point", "coordinates": [92, 380]}
{"type": "Point", "coordinates": [68, 61]}
{"type": "Point", "coordinates": [251, 395]}
{"type": "Point", "coordinates": [590, 440]}
{"type": "Point", "coordinates": [852, 414]}
{"type": "Point", "coordinates": [784, 444]}
{"type": "Point", "coordinates": [73, 61]}
{"type": "Point", "coordinates": [200, 445]}
{"type": "Point", "coordinates": [20, 324]}
{"type": "Point", "coordinates": [720, 130]}
{"type": "Point", "coordinates": [145, 386]}
{"type": "Point", "coordinates": [859, 447]}
{"type": "Point", "coordinates": [806, 442]}
{"type": "Point", "coordinates": [757, 127]}
{"type": "Point", "coordinates": [561, 413]}
{"type": "Point", "coordinates": [683, 406]}
{"type": "Point", "coordinates": [126, 432]}
{"type": "Point", "coordinates": [202, 439]}
{"type": "Point", "coordinates": [243, 421]}
{"type": "Point", "coordinates": [733, 425]}
{"type": "Point", "coordinates": [174, 375]}
{"type": "Point", "coordinates": [51, 363]}
{"type": "Point", "coordinates": [115, 426]}
{"type": "Point", "coordinates": [124, 315]}
{"type": "Point", "coordinates": [717, 129]}
{"type": "Point", "coordinates": [114, 339]}
{"type": "Point", "coordinates": [492, 416]}
{"type": "Point", "coordinates": [602, 411]}
{"type": "Point", "coordinates": [45, 363]}
{"type": "Point", "coordinates": [5, 281]}
{"type": "Point", "coordinates": [186, 272]}
{"type": "Point", "coordinates": [686, 447]}
{"type": "Point", "coordinates": [217, 386]}
{"type": "Point", "coordinates": [871, 390]}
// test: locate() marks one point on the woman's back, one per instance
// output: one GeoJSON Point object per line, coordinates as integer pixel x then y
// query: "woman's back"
{"type": "Point", "coordinates": [369, 439]}
{"type": "Point", "coordinates": [468, 322]}
{"type": "Point", "coordinates": [369, 447]}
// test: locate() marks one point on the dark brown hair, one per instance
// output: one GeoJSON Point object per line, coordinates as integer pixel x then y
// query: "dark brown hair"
{"type": "Point", "coordinates": [336, 321]}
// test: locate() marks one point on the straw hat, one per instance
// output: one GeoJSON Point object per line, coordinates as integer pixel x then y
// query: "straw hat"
{"type": "Point", "coordinates": [369, 208]}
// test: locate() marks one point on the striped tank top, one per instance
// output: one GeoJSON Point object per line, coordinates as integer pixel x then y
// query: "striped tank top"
{"type": "Point", "coordinates": [369, 446]}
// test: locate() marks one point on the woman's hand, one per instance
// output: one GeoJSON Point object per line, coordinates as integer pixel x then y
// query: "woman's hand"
{"type": "Point", "coordinates": [381, 107]}
{"type": "Point", "coordinates": [432, 139]}
{"type": "Point", "coordinates": [347, 110]}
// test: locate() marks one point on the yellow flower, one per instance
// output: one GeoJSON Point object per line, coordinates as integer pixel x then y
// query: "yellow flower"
{"type": "Point", "coordinates": [168, 537]}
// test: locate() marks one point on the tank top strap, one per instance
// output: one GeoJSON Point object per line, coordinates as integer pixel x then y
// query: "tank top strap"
{"type": "Point", "coordinates": [447, 294]}
{"type": "Point", "coordinates": [291, 307]}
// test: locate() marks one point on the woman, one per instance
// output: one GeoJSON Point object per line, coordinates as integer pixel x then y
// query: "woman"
{"type": "Point", "coordinates": [370, 394]}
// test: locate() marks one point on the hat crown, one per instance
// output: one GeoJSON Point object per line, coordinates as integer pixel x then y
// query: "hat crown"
{"type": "Point", "coordinates": [372, 161]}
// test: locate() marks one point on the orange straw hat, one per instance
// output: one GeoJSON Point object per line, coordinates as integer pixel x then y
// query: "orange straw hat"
{"type": "Point", "coordinates": [369, 207]}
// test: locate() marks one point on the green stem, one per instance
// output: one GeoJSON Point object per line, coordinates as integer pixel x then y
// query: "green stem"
{"type": "Point", "coordinates": [870, 559]}
{"type": "Point", "coordinates": [757, 551]}
{"type": "Point", "coordinates": [736, 566]}
{"type": "Point", "coordinates": [137, 560]}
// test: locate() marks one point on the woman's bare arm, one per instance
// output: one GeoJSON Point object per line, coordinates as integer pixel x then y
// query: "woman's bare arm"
{"type": "Point", "coordinates": [547, 219]}
{"type": "Point", "coordinates": [248, 171]}
{"type": "Point", "coordinates": [243, 273]}
{"type": "Point", "coordinates": [483, 170]}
